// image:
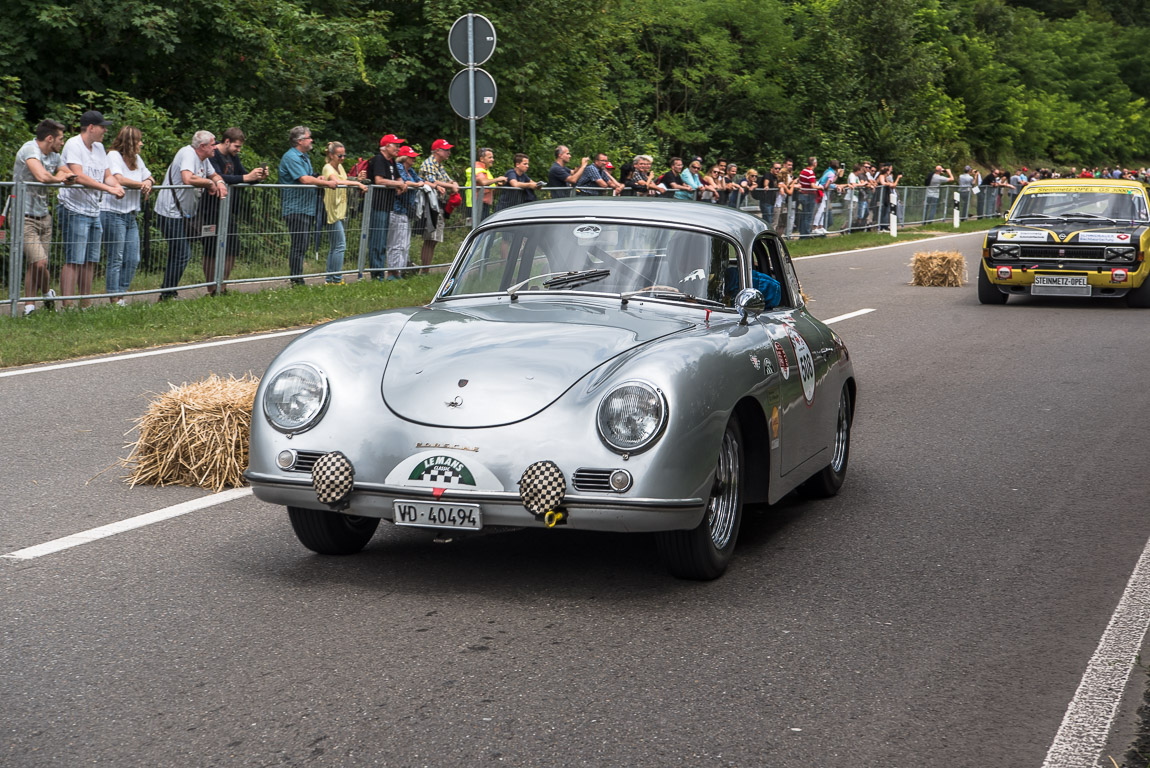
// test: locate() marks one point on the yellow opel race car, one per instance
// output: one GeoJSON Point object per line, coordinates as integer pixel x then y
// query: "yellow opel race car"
{"type": "Point", "coordinates": [1070, 237]}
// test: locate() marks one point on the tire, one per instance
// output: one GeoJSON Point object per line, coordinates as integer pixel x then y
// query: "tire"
{"type": "Point", "coordinates": [988, 292]}
{"type": "Point", "coordinates": [703, 552]}
{"type": "Point", "coordinates": [331, 533]}
{"type": "Point", "coordinates": [1140, 296]}
{"type": "Point", "coordinates": [830, 478]}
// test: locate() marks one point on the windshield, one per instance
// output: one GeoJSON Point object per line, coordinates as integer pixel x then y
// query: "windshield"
{"type": "Point", "coordinates": [599, 258]}
{"type": "Point", "coordinates": [1117, 203]}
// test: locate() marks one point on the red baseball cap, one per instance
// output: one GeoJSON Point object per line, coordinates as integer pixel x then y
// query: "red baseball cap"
{"type": "Point", "coordinates": [609, 166]}
{"type": "Point", "coordinates": [441, 144]}
{"type": "Point", "coordinates": [406, 151]}
{"type": "Point", "coordinates": [391, 138]}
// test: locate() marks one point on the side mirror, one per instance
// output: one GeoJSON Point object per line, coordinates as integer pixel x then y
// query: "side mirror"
{"type": "Point", "coordinates": [750, 303]}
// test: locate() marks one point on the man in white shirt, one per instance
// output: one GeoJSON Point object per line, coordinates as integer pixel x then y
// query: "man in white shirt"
{"type": "Point", "coordinates": [176, 208]}
{"type": "Point", "coordinates": [80, 205]}
{"type": "Point", "coordinates": [39, 160]}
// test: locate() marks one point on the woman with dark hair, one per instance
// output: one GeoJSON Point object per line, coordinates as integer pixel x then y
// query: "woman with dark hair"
{"type": "Point", "coordinates": [118, 216]}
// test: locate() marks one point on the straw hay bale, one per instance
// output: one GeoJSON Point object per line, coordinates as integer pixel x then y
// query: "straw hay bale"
{"type": "Point", "coordinates": [195, 434]}
{"type": "Point", "coordinates": [938, 268]}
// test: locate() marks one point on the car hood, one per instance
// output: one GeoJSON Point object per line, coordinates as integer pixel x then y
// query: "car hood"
{"type": "Point", "coordinates": [493, 365]}
{"type": "Point", "coordinates": [1075, 232]}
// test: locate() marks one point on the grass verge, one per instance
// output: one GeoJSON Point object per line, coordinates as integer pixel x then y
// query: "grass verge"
{"type": "Point", "coordinates": [48, 336]}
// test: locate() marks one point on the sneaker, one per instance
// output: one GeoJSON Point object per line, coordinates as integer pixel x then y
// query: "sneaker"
{"type": "Point", "coordinates": [48, 303]}
{"type": "Point", "coordinates": [29, 309]}
{"type": "Point", "coordinates": [121, 303]}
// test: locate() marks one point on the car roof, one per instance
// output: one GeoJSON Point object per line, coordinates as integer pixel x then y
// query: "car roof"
{"type": "Point", "coordinates": [711, 216]}
{"type": "Point", "coordinates": [1116, 183]}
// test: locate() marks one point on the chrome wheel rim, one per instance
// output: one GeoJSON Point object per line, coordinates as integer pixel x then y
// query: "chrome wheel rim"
{"type": "Point", "coordinates": [842, 434]}
{"type": "Point", "coordinates": [724, 499]}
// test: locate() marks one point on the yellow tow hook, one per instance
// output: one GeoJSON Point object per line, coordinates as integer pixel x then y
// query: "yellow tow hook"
{"type": "Point", "coordinates": [553, 518]}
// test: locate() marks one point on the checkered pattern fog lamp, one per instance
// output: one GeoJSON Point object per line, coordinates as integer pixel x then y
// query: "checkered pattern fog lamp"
{"type": "Point", "coordinates": [332, 477]}
{"type": "Point", "coordinates": [542, 487]}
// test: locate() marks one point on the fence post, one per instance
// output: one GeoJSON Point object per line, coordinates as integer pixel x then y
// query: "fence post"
{"type": "Point", "coordinates": [365, 229]}
{"type": "Point", "coordinates": [16, 247]}
{"type": "Point", "coordinates": [222, 239]}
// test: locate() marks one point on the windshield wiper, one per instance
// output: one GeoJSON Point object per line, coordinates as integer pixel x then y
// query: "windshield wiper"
{"type": "Point", "coordinates": [584, 276]}
{"type": "Point", "coordinates": [560, 278]}
{"type": "Point", "coordinates": [1084, 215]}
{"type": "Point", "coordinates": [1035, 216]}
{"type": "Point", "coordinates": [673, 295]}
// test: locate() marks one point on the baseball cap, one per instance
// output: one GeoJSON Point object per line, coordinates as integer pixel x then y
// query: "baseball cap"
{"type": "Point", "coordinates": [609, 166]}
{"type": "Point", "coordinates": [441, 144]}
{"type": "Point", "coordinates": [966, 168]}
{"type": "Point", "coordinates": [406, 151]}
{"type": "Point", "coordinates": [92, 117]}
{"type": "Point", "coordinates": [391, 138]}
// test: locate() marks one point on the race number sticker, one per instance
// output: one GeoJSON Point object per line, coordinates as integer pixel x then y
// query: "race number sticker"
{"type": "Point", "coordinates": [784, 366]}
{"type": "Point", "coordinates": [806, 365]}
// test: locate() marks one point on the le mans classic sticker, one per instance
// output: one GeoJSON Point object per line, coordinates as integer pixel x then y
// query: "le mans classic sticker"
{"type": "Point", "coordinates": [434, 469]}
{"type": "Point", "coordinates": [806, 364]}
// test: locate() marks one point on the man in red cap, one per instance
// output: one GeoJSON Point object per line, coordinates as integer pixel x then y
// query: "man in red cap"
{"type": "Point", "coordinates": [434, 171]}
{"type": "Point", "coordinates": [399, 228]}
{"type": "Point", "coordinates": [384, 173]}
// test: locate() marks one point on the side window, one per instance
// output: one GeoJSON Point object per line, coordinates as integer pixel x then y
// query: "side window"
{"type": "Point", "coordinates": [768, 258]}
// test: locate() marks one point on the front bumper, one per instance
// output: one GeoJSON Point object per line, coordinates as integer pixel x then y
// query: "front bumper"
{"type": "Point", "coordinates": [584, 512]}
{"type": "Point", "coordinates": [1110, 280]}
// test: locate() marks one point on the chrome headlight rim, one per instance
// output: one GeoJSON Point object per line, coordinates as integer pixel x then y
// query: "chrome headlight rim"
{"type": "Point", "coordinates": [314, 418]}
{"type": "Point", "coordinates": [654, 434]}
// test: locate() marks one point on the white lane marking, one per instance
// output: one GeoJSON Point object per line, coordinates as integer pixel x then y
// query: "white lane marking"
{"type": "Point", "coordinates": [848, 316]}
{"type": "Point", "coordinates": [891, 245]}
{"type": "Point", "coordinates": [131, 523]}
{"type": "Point", "coordinates": [151, 352]}
{"type": "Point", "coordinates": [1086, 725]}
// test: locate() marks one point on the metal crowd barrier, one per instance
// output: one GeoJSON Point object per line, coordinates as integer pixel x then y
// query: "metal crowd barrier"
{"type": "Point", "coordinates": [246, 239]}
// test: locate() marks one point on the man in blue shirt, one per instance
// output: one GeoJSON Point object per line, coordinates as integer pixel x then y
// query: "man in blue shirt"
{"type": "Point", "coordinates": [300, 205]}
{"type": "Point", "coordinates": [595, 175]}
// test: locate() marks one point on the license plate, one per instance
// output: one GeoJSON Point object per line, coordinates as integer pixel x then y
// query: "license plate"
{"type": "Point", "coordinates": [1060, 285]}
{"type": "Point", "coordinates": [432, 515]}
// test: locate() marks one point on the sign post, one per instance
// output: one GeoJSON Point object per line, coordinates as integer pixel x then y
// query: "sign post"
{"type": "Point", "coordinates": [471, 42]}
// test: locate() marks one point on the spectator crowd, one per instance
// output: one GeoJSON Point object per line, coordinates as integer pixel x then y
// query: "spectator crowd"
{"type": "Point", "coordinates": [103, 191]}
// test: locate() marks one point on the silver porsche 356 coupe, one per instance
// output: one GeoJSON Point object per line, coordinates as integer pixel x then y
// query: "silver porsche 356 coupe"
{"type": "Point", "coordinates": [591, 364]}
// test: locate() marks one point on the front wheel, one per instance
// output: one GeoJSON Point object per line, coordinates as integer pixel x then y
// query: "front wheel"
{"type": "Point", "coordinates": [988, 292]}
{"type": "Point", "coordinates": [1140, 296]}
{"type": "Point", "coordinates": [331, 533]}
{"type": "Point", "coordinates": [703, 552]}
{"type": "Point", "coordinates": [830, 478]}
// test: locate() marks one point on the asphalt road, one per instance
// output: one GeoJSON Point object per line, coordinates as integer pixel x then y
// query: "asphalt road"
{"type": "Point", "coordinates": [939, 611]}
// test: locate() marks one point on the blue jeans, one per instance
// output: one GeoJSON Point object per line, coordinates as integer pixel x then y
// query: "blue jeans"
{"type": "Point", "coordinates": [860, 213]}
{"type": "Point", "coordinates": [337, 246]}
{"type": "Point", "coordinates": [175, 231]}
{"type": "Point", "coordinates": [806, 206]}
{"type": "Point", "coordinates": [377, 243]}
{"type": "Point", "coordinates": [82, 236]}
{"type": "Point", "coordinates": [300, 228]}
{"type": "Point", "coordinates": [122, 242]}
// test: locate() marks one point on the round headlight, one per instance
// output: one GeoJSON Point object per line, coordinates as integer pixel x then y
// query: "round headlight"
{"type": "Point", "coordinates": [295, 398]}
{"type": "Point", "coordinates": [631, 416]}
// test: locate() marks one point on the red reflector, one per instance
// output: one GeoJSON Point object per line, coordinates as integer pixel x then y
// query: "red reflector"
{"type": "Point", "coordinates": [1004, 273]}
{"type": "Point", "coordinates": [1118, 275]}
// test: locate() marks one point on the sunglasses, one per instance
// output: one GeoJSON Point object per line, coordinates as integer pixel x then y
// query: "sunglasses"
{"type": "Point", "coordinates": [341, 154]}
